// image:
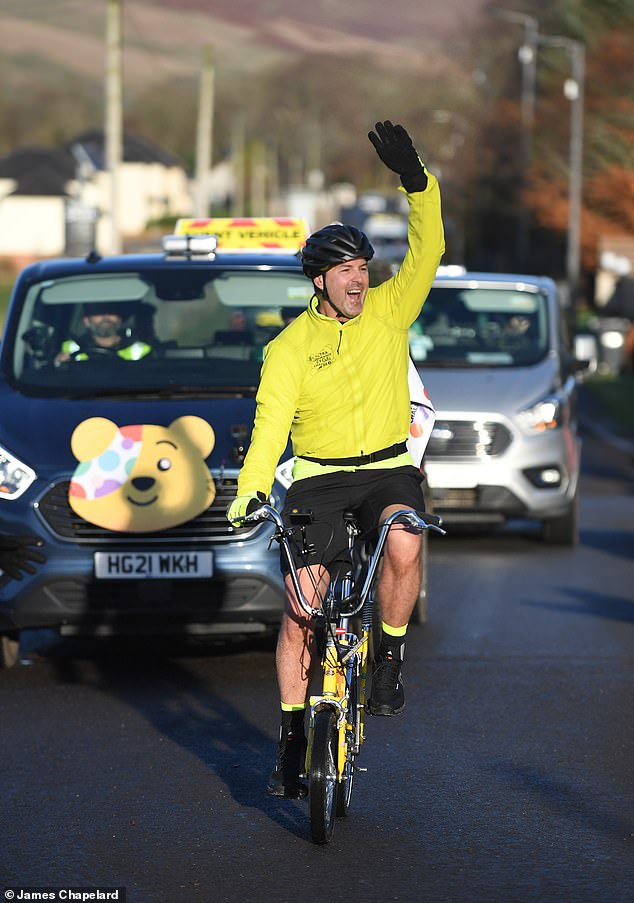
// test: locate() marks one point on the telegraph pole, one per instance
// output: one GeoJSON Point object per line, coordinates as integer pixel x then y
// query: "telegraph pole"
{"type": "Point", "coordinates": [258, 180]}
{"type": "Point", "coordinates": [574, 92]}
{"type": "Point", "coordinates": [114, 116]}
{"type": "Point", "coordinates": [238, 159]}
{"type": "Point", "coordinates": [204, 133]}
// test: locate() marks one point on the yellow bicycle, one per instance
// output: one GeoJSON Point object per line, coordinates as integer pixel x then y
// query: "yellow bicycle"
{"type": "Point", "coordinates": [337, 723]}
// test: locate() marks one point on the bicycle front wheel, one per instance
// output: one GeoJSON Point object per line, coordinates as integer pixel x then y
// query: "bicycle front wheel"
{"type": "Point", "coordinates": [322, 778]}
{"type": "Point", "coordinates": [344, 788]}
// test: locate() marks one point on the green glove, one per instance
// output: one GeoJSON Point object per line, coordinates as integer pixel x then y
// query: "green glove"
{"type": "Point", "coordinates": [244, 504]}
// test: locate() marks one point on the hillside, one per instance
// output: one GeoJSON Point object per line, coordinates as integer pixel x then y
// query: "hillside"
{"type": "Point", "coordinates": [163, 38]}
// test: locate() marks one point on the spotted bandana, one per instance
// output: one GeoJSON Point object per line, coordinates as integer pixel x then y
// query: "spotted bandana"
{"type": "Point", "coordinates": [111, 469]}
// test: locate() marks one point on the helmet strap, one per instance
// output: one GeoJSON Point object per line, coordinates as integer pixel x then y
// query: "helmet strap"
{"type": "Point", "coordinates": [323, 293]}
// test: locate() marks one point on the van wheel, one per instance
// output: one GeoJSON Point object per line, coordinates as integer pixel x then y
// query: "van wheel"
{"type": "Point", "coordinates": [9, 649]}
{"type": "Point", "coordinates": [564, 530]}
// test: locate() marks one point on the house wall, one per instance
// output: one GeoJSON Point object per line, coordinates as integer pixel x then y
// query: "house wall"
{"type": "Point", "coordinates": [32, 226]}
{"type": "Point", "coordinates": [6, 187]}
{"type": "Point", "coordinates": [35, 227]}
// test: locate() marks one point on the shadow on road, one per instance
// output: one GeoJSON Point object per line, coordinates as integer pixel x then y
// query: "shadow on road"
{"type": "Point", "coordinates": [179, 699]}
{"type": "Point", "coordinates": [616, 542]}
{"type": "Point", "coordinates": [564, 796]}
{"type": "Point", "coordinates": [587, 602]}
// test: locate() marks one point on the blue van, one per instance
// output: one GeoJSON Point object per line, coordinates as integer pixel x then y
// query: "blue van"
{"type": "Point", "coordinates": [127, 394]}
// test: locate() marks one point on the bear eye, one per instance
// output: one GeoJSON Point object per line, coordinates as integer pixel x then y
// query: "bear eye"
{"type": "Point", "coordinates": [164, 464]}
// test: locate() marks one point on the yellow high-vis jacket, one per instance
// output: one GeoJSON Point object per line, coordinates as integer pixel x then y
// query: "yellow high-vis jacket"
{"type": "Point", "coordinates": [341, 389]}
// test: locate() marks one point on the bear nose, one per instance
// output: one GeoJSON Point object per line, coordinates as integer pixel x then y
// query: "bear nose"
{"type": "Point", "coordinates": [143, 483]}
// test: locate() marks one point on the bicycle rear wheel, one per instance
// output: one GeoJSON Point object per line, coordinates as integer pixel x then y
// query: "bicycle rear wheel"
{"type": "Point", "coordinates": [322, 779]}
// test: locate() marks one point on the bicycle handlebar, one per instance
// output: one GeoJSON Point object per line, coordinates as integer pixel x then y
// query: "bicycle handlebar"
{"type": "Point", "coordinates": [404, 516]}
{"type": "Point", "coordinates": [263, 512]}
{"type": "Point", "coordinates": [413, 518]}
{"type": "Point", "coordinates": [422, 521]}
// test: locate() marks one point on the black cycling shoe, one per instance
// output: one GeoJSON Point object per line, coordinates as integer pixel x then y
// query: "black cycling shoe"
{"type": "Point", "coordinates": [387, 696]}
{"type": "Point", "coordinates": [285, 778]}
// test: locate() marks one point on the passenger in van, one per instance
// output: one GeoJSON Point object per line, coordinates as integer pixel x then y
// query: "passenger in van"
{"type": "Point", "coordinates": [239, 321]}
{"type": "Point", "coordinates": [103, 335]}
{"type": "Point", "coordinates": [517, 325]}
{"type": "Point", "coordinates": [237, 333]}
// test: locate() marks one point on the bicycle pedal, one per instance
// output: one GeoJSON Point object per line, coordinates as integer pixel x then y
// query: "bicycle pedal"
{"type": "Point", "coordinates": [359, 768]}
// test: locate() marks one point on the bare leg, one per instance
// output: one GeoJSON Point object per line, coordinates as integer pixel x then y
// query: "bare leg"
{"type": "Point", "coordinates": [400, 580]}
{"type": "Point", "coordinates": [296, 642]}
{"type": "Point", "coordinates": [398, 589]}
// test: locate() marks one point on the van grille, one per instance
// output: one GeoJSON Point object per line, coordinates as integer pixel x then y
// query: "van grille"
{"type": "Point", "coordinates": [468, 439]}
{"type": "Point", "coordinates": [454, 498]}
{"type": "Point", "coordinates": [211, 525]}
{"type": "Point", "coordinates": [155, 597]}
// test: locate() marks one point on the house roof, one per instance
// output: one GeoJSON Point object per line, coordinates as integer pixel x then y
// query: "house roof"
{"type": "Point", "coordinates": [38, 170]}
{"type": "Point", "coordinates": [45, 171]}
{"type": "Point", "coordinates": [136, 149]}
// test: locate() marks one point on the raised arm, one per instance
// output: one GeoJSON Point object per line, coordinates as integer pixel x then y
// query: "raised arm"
{"type": "Point", "coordinates": [402, 297]}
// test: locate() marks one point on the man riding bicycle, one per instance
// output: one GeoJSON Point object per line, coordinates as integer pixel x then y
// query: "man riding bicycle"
{"type": "Point", "coordinates": [336, 379]}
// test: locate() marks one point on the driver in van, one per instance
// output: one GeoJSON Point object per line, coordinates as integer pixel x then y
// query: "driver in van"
{"type": "Point", "coordinates": [104, 334]}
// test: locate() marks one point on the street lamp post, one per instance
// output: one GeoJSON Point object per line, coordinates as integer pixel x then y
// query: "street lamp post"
{"type": "Point", "coordinates": [457, 129]}
{"type": "Point", "coordinates": [574, 91]}
{"type": "Point", "coordinates": [527, 55]}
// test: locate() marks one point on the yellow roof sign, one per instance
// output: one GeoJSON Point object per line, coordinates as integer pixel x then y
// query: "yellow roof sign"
{"type": "Point", "coordinates": [264, 233]}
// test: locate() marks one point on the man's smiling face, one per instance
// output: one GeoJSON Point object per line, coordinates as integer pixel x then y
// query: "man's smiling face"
{"type": "Point", "coordinates": [346, 285]}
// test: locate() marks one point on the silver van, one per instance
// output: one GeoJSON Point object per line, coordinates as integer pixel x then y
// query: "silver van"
{"type": "Point", "coordinates": [494, 354]}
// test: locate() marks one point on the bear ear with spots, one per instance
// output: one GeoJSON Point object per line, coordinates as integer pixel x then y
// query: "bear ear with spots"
{"type": "Point", "coordinates": [92, 437]}
{"type": "Point", "coordinates": [197, 431]}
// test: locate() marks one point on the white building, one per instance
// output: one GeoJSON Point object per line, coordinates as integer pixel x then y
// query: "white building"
{"type": "Point", "coordinates": [56, 201]}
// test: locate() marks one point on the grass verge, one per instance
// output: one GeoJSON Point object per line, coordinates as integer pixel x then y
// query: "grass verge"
{"type": "Point", "coordinates": [5, 291]}
{"type": "Point", "coordinates": [615, 394]}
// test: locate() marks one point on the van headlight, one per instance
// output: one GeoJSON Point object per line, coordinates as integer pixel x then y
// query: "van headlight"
{"type": "Point", "coordinates": [545, 414]}
{"type": "Point", "coordinates": [15, 477]}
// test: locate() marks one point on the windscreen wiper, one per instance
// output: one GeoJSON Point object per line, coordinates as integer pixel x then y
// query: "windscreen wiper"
{"type": "Point", "coordinates": [166, 391]}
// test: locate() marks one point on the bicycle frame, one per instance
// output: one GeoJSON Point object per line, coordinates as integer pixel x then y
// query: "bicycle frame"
{"type": "Point", "coordinates": [344, 659]}
{"type": "Point", "coordinates": [345, 655]}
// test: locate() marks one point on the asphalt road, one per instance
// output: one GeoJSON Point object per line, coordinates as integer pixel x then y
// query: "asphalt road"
{"type": "Point", "coordinates": [508, 778]}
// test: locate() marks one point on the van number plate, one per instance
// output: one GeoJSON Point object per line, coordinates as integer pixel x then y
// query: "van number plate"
{"type": "Point", "coordinates": [157, 565]}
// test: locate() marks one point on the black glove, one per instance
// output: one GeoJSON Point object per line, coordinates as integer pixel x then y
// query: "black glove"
{"type": "Point", "coordinates": [17, 553]}
{"type": "Point", "coordinates": [394, 146]}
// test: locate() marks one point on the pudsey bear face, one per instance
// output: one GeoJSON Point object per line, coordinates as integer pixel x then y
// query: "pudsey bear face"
{"type": "Point", "coordinates": [142, 478]}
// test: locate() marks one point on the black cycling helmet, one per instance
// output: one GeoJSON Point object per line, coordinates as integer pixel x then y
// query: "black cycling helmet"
{"type": "Point", "coordinates": [334, 244]}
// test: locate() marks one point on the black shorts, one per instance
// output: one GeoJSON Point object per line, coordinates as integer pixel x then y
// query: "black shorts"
{"type": "Point", "coordinates": [366, 492]}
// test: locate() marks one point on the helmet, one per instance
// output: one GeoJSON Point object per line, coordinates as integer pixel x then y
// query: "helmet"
{"type": "Point", "coordinates": [334, 244]}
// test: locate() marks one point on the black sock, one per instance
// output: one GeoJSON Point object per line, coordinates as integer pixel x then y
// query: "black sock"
{"type": "Point", "coordinates": [292, 724]}
{"type": "Point", "coordinates": [392, 647]}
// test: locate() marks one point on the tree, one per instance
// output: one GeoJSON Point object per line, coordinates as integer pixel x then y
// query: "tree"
{"type": "Point", "coordinates": [607, 29]}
